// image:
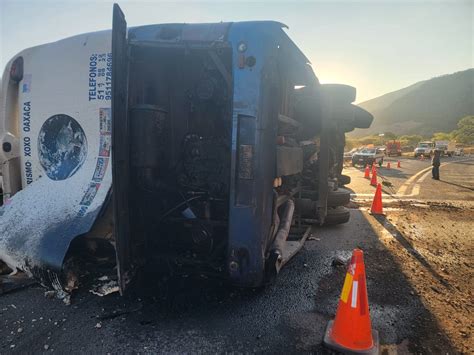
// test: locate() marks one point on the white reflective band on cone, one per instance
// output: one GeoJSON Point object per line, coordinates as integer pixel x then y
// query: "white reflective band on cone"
{"type": "Point", "coordinates": [354, 294]}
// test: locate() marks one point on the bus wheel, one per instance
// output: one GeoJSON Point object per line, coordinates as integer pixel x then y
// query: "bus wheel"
{"type": "Point", "coordinates": [339, 197]}
{"type": "Point", "coordinates": [338, 215]}
{"type": "Point", "coordinates": [344, 180]}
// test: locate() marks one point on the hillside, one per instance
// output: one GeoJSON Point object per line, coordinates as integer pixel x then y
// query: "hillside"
{"type": "Point", "coordinates": [423, 108]}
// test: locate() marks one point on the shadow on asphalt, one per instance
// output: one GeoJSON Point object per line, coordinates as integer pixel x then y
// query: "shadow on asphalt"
{"type": "Point", "coordinates": [396, 309]}
{"type": "Point", "coordinates": [457, 185]}
{"type": "Point", "coordinates": [464, 162]}
{"type": "Point", "coordinates": [387, 187]}
{"type": "Point", "coordinates": [385, 223]}
{"type": "Point", "coordinates": [392, 172]}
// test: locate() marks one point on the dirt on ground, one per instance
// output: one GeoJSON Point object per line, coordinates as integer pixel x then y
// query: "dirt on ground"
{"type": "Point", "coordinates": [433, 244]}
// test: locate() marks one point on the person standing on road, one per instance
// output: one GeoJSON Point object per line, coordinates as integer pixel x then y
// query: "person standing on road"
{"type": "Point", "coordinates": [436, 162]}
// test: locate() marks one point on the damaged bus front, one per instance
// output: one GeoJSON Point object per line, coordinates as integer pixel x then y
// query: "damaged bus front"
{"type": "Point", "coordinates": [221, 159]}
{"type": "Point", "coordinates": [55, 136]}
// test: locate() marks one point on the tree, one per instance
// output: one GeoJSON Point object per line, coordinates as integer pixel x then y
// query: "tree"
{"type": "Point", "coordinates": [442, 136]}
{"type": "Point", "coordinates": [465, 132]}
{"type": "Point", "coordinates": [410, 140]}
{"type": "Point", "coordinates": [390, 135]}
{"type": "Point", "coordinates": [367, 140]}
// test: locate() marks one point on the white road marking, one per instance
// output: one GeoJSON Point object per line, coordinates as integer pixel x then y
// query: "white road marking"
{"type": "Point", "coordinates": [423, 173]}
{"type": "Point", "coordinates": [424, 177]}
{"type": "Point", "coordinates": [402, 190]}
{"type": "Point", "coordinates": [368, 195]}
{"type": "Point", "coordinates": [419, 177]}
{"type": "Point", "coordinates": [415, 190]}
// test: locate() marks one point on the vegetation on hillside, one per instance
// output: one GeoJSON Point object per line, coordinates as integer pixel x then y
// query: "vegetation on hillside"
{"type": "Point", "coordinates": [464, 134]}
{"type": "Point", "coordinates": [429, 106]}
{"type": "Point", "coordinates": [465, 131]}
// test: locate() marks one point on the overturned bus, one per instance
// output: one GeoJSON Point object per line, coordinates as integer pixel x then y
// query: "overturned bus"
{"type": "Point", "coordinates": [196, 148]}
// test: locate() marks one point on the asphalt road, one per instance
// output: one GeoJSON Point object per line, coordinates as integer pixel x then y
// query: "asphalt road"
{"type": "Point", "coordinates": [287, 317]}
{"type": "Point", "coordinates": [413, 179]}
{"type": "Point", "coordinates": [207, 316]}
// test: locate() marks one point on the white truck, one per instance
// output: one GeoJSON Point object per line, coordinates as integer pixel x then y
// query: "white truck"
{"type": "Point", "coordinates": [446, 147]}
{"type": "Point", "coordinates": [425, 148]}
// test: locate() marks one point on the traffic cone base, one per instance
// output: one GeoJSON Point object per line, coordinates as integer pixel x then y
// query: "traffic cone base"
{"type": "Point", "coordinates": [330, 343]}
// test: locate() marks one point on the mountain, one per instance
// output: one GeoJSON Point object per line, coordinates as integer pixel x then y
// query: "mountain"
{"type": "Point", "coordinates": [423, 108]}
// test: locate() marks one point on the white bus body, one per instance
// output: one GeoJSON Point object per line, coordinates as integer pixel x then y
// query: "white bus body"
{"type": "Point", "coordinates": [55, 145]}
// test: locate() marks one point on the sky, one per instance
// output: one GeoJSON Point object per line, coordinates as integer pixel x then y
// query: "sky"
{"type": "Point", "coordinates": [376, 46]}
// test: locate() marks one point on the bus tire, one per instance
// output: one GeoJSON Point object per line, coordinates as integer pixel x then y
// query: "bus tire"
{"type": "Point", "coordinates": [341, 93]}
{"type": "Point", "coordinates": [344, 180]}
{"type": "Point", "coordinates": [338, 215]}
{"type": "Point", "coordinates": [339, 197]}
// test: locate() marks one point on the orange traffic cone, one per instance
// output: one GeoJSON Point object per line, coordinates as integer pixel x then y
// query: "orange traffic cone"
{"type": "Point", "coordinates": [351, 331]}
{"type": "Point", "coordinates": [377, 207]}
{"type": "Point", "coordinates": [367, 172]}
{"type": "Point", "coordinates": [388, 165]}
{"type": "Point", "coordinates": [373, 181]}
{"type": "Point", "coordinates": [399, 165]}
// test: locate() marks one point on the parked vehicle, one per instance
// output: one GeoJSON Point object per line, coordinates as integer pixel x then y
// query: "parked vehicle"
{"type": "Point", "coordinates": [459, 151]}
{"type": "Point", "coordinates": [393, 148]}
{"type": "Point", "coordinates": [424, 148]}
{"type": "Point", "coordinates": [446, 147]}
{"type": "Point", "coordinates": [348, 155]}
{"type": "Point", "coordinates": [213, 163]}
{"type": "Point", "coordinates": [368, 156]}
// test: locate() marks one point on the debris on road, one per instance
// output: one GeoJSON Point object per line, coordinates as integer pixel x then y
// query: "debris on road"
{"type": "Point", "coordinates": [50, 294]}
{"type": "Point", "coordinates": [338, 261]}
{"type": "Point", "coordinates": [18, 281]}
{"type": "Point", "coordinates": [105, 289]}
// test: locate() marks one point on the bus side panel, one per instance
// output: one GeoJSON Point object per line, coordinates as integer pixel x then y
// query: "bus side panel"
{"type": "Point", "coordinates": [65, 147]}
{"type": "Point", "coordinates": [253, 158]}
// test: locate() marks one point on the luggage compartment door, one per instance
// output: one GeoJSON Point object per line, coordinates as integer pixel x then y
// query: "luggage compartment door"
{"type": "Point", "coordinates": [120, 149]}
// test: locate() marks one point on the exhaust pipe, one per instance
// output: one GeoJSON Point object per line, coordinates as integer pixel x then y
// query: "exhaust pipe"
{"type": "Point", "coordinates": [276, 251]}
